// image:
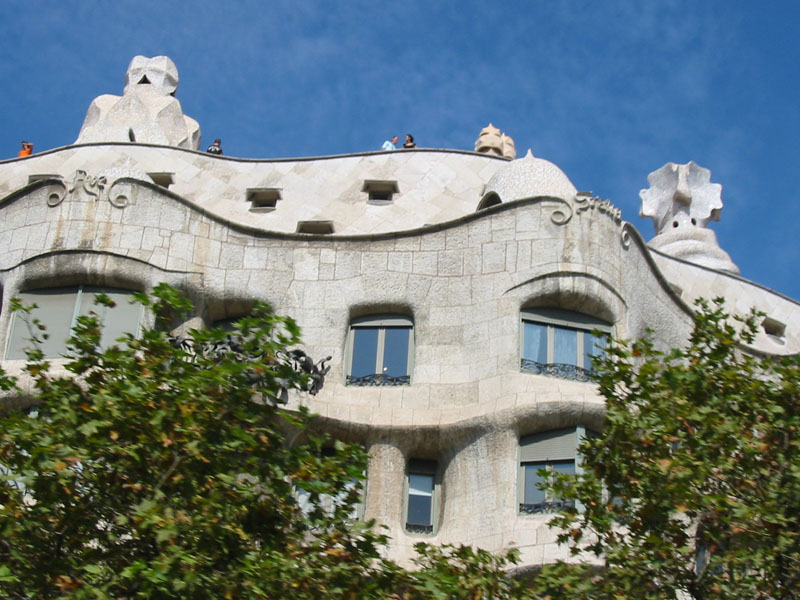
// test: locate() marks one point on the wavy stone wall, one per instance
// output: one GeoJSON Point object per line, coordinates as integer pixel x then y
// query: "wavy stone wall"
{"type": "Point", "coordinates": [463, 281]}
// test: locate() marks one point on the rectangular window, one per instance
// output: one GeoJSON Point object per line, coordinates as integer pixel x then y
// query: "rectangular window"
{"type": "Point", "coordinates": [596, 349]}
{"type": "Point", "coordinates": [58, 310]}
{"type": "Point", "coordinates": [559, 342]}
{"type": "Point", "coordinates": [565, 346]}
{"type": "Point", "coordinates": [535, 342]}
{"type": "Point", "coordinates": [395, 352]}
{"type": "Point", "coordinates": [365, 349]}
{"type": "Point", "coordinates": [380, 192]}
{"type": "Point", "coordinates": [541, 455]}
{"type": "Point", "coordinates": [420, 496]}
{"type": "Point", "coordinates": [263, 199]}
{"type": "Point", "coordinates": [316, 227]}
{"type": "Point", "coordinates": [535, 499]}
{"type": "Point", "coordinates": [379, 351]}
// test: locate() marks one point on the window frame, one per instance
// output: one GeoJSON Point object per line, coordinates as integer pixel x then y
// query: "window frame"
{"type": "Point", "coordinates": [557, 319]}
{"type": "Point", "coordinates": [76, 292]}
{"type": "Point", "coordinates": [381, 323]}
{"type": "Point", "coordinates": [548, 448]}
{"type": "Point", "coordinates": [263, 199]}
{"type": "Point", "coordinates": [427, 468]}
{"type": "Point", "coordinates": [380, 192]}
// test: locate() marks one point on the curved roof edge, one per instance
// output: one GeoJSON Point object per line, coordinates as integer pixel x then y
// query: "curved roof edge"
{"type": "Point", "coordinates": [259, 160]}
{"type": "Point", "coordinates": [727, 274]}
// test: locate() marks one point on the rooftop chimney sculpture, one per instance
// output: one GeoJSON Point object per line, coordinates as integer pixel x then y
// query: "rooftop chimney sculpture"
{"type": "Point", "coordinates": [147, 112]}
{"type": "Point", "coordinates": [491, 141]}
{"type": "Point", "coordinates": [681, 201]}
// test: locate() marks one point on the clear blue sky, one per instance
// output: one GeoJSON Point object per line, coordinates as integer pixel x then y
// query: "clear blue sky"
{"type": "Point", "coordinates": [609, 91]}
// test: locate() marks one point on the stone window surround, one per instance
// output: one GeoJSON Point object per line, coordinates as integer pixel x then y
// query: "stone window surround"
{"type": "Point", "coordinates": [382, 322]}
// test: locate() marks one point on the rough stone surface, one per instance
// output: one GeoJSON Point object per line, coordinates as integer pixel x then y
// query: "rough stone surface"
{"type": "Point", "coordinates": [93, 214]}
{"type": "Point", "coordinates": [530, 177]}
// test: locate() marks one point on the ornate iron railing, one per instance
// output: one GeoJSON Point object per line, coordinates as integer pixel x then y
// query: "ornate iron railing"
{"type": "Point", "coordinates": [416, 528]}
{"type": "Point", "coordinates": [545, 507]}
{"type": "Point", "coordinates": [562, 370]}
{"type": "Point", "coordinates": [297, 360]}
{"type": "Point", "coordinates": [379, 379]}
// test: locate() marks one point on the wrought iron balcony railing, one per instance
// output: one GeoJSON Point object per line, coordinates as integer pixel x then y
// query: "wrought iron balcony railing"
{"type": "Point", "coordinates": [417, 528]}
{"type": "Point", "coordinates": [564, 371]}
{"type": "Point", "coordinates": [379, 379]}
{"type": "Point", "coordinates": [545, 507]}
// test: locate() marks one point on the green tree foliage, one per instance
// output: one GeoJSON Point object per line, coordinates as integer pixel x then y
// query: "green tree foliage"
{"type": "Point", "coordinates": [162, 470]}
{"type": "Point", "coordinates": [693, 488]}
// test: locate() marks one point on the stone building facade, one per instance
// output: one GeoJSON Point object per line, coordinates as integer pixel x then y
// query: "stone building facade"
{"type": "Point", "coordinates": [455, 291]}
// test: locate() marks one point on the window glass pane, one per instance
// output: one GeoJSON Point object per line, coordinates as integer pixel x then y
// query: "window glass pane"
{"type": "Point", "coordinates": [567, 467]}
{"type": "Point", "coordinates": [421, 485]}
{"type": "Point", "coordinates": [365, 351]}
{"type": "Point", "coordinates": [535, 342]}
{"type": "Point", "coordinates": [395, 351]}
{"type": "Point", "coordinates": [419, 510]}
{"type": "Point", "coordinates": [420, 499]}
{"type": "Point", "coordinates": [595, 346]}
{"type": "Point", "coordinates": [566, 346]}
{"type": "Point", "coordinates": [118, 320]}
{"type": "Point", "coordinates": [532, 493]}
{"type": "Point", "coordinates": [56, 307]}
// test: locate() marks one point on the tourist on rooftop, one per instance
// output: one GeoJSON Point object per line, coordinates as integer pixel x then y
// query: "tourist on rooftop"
{"type": "Point", "coordinates": [409, 141]}
{"type": "Point", "coordinates": [27, 148]}
{"type": "Point", "coordinates": [215, 148]}
{"type": "Point", "coordinates": [390, 144]}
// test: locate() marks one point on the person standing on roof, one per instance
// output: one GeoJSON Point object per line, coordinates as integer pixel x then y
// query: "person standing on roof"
{"type": "Point", "coordinates": [390, 144]}
{"type": "Point", "coordinates": [215, 148]}
{"type": "Point", "coordinates": [27, 148]}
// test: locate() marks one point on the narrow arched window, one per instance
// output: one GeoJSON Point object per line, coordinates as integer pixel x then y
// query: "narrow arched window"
{"type": "Point", "coordinates": [380, 350]}
{"type": "Point", "coordinates": [58, 310]}
{"type": "Point", "coordinates": [561, 342]}
{"type": "Point", "coordinates": [421, 497]}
